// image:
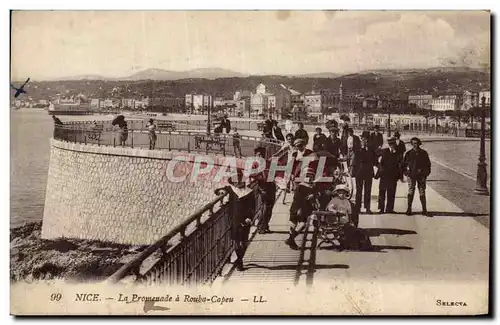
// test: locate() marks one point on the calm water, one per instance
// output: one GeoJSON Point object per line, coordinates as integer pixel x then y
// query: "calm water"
{"type": "Point", "coordinates": [31, 131]}
{"type": "Point", "coordinates": [29, 162]}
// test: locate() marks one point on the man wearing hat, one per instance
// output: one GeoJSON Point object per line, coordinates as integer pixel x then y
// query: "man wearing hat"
{"type": "Point", "coordinates": [390, 169]}
{"type": "Point", "coordinates": [301, 133]}
{"type": "Point", "coordinates": [353, 143]}
{"type": "Point", "coordinates": [332, 142]}
{"type": "Point", "coordinates": [362, 169]}
{"type": "Point", "coordinates": [400, 145]}
{"type": "Point", "coordinates": [300, 208]}
{"type": "Point", "coordinates": [417, 167]}
{"type": "Point", "coordinates": [376, 140]}
{"type": "Point", "coordinates": [225, 124]}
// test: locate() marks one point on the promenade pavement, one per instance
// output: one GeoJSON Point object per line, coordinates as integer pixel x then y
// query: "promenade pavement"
{"type": "Point", "coordinates": [415, 261]}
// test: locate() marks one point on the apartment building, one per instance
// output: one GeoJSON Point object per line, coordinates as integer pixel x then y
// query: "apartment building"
{"type": "Point", "coordinates": [421, 101]}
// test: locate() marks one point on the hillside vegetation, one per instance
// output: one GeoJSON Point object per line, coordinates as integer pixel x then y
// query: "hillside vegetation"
{"type": "Point", "coordinates": [395, 83]}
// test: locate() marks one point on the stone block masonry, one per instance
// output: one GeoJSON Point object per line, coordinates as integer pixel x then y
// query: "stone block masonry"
{"type": "Point", "coordinates": [120, 195]}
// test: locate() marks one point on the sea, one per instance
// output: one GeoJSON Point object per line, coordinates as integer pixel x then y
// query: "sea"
{"type": "Point", "coordinates": [30, 133]}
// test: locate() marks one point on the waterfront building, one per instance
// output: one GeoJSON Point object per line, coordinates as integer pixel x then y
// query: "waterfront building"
{"type": "Point", "coordinates": [446, 103]}
{"type": "Point", "coordinates": [197, 103]}
{"type": "Point", "coordinates": [470, 99]}
{"type": "Point", "coordinates": [421, 101]}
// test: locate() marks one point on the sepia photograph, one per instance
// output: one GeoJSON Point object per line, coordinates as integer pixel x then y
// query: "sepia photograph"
{"type": "Point", "coordinates": [250, 162]}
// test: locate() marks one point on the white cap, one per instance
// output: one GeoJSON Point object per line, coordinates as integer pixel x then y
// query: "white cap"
{"type": "Point", "coordinates": [341, 187]}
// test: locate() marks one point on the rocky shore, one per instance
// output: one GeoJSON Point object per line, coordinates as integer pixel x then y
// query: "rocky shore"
{"type": "Point", "coordinates": [33, 258]}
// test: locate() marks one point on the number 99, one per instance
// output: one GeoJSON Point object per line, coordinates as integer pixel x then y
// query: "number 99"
{"type": "Point", "coordinates": [55, 297]}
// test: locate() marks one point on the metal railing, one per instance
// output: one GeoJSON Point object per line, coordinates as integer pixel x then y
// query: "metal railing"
{"type": "Point", "coordinates": [200, 142]}
{"type": "Point", "coordinates": [179, 255]}
{"type": "Point", "coordinates": [194, 252]}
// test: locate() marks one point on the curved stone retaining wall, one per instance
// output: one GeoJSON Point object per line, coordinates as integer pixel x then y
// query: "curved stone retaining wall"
{"type": "Point", "coordinates": [121, 195]}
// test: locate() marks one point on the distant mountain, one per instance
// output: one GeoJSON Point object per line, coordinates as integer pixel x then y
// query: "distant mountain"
{"type": "Point", "coordinates": [160, 83]}
{"type": "Point", "coordinates": [401, 82]}
{"type": "Point", "coordinates": [205, 73]}
{"type": "Point", "coordinates": [319, 75]}
{"type": "Point", "coordinates": [83, 77]}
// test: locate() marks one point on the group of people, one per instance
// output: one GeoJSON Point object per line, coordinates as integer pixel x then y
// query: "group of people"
{"type": "Point", "coordinates": [366, 159]}
{"type": "Point", "coordinates": [364, 156]}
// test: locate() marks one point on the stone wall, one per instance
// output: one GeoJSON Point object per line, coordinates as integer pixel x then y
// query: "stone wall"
{"type": "Point", "coordinates": [120, 195]}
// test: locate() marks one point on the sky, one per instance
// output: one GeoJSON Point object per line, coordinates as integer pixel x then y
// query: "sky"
{"type": "Point", "coordinates": [54, 44]}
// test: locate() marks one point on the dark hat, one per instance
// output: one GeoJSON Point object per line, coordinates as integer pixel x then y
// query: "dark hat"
{"type": "Point", "coordinates": [397, 134]}
{"type": "Point", "coordinates": [376, 127]}
{"type": "Point", "coordinates": [332, 124]}
{"type": "Point", "coordinates": [391, 140]}
{"type": "Point", "coordinates": [365, 134]}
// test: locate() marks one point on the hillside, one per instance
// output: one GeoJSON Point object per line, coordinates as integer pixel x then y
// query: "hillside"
{"type": "Point", "coordinates": [385, 82]}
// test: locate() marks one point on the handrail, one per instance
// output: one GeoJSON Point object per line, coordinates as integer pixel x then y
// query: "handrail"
{"type": "Point", "coordinates": [135, 263]}
{"type": "Point", "coordinates": [116, 130]}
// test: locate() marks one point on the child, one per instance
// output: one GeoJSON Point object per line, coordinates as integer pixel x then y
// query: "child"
{"type": "Point", "coordinates": [243, 210]}
{"type": "Point", "coordinates": [319, 140]}
{"type": "Point", "coordinates": [340, 204]}
{"type": "Point", "coordinates": [236, 143]}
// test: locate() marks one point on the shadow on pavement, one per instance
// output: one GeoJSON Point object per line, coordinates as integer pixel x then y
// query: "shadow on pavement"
{"type": "Point", "coordinates": [373, 248]}
{"type": "Point", "coordinates": [374, 232]}
{"type": "Point", "coordinates": [379, 248]}
{"type": "Point", "coordinates": [456, 214]}
{"type": "Point", "coordinates": [295, 267]}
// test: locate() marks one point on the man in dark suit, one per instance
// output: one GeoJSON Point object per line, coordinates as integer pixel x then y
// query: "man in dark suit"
{"type": "Point", "coordinates": [376, 140]}
{"type": "Point", "coordinates": [268, 127]}
{"type": "Point", "coordinates": [362, 169]}
{"type": "Point", "coordinates": [319, 140]}
{"type": "Point", "coordinates": [343, 139]}
{"type": "Point", "coordinates": [332, 142]}
{"type": "Point", "coordinates": [417, 167]}
{"type": "Point", "coordinates": [301, 133]}
{"type": "Point", "coordinates": [390, 168]}
{"type": "Point", "coordinates": [267, 192]}
{"type": "Point", "coordinates": [400, 145]}
{"type": "Point", "coordinates": [353, 143]}
{"type": "Point", "coordinates": [301, 207]}
{"type": "Point", "coordinates": [225, 124]}
{"type": "Point", "coordinates": [278, 135]}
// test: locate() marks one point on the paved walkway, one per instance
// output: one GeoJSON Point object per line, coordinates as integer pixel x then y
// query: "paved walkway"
{"type": "Point", "coordinates": [441, 257]}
